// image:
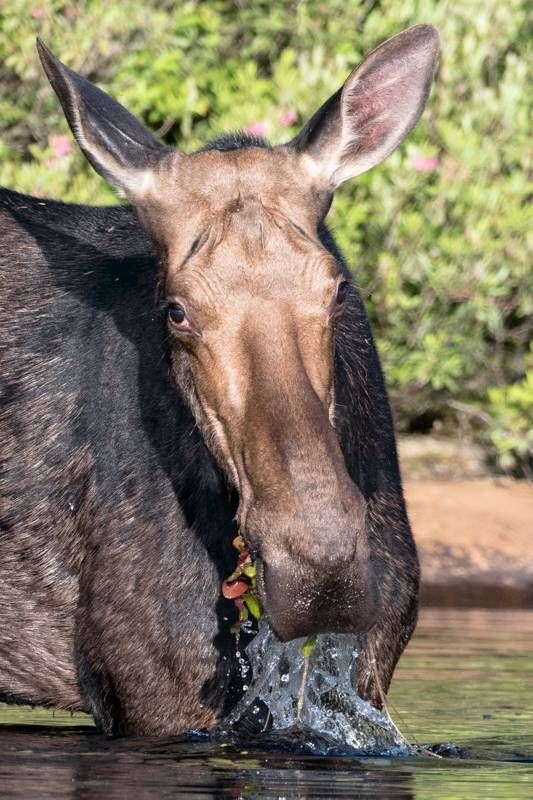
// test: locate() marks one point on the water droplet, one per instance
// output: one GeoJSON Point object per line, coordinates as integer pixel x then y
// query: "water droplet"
{"type": "Point", "coordinates": [320, 697]}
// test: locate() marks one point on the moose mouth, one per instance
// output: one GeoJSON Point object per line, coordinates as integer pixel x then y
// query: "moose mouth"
{"type": "Point", "coordinates": [297, 602]}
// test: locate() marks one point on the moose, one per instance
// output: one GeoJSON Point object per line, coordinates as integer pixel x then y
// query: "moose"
{"type": "Point", "coordinates": [177, 371]}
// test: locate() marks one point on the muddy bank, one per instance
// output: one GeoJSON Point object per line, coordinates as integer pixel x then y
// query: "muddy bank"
{"type": "Point", "coordinates": [475, 540]}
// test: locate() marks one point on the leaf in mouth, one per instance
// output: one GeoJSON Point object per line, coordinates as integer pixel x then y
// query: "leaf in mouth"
{"type": "Point", "coordinates": [235, 589]}
{"type": "Point", "coordinates": [253, 604]}
{"type": "Point", "coordinates": [241, 584]}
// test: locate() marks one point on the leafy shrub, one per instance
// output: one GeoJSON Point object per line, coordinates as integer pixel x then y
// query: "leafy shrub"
{"type": "Point", "coordinates": [439, 237]}
{"type": "Point", "coordinates": [511, 422]}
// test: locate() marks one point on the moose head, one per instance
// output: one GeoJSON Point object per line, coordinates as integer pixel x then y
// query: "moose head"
{"type": "Point", "coordinates": [253, 299]}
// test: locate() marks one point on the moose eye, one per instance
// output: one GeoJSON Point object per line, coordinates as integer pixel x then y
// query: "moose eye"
{"type": "Point", "coordinates": [176, 313]}
{"type": "Point", "coordinates": [343, 290]}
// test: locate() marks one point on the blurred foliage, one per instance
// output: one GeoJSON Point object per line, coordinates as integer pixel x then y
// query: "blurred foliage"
{"type": "Point", "coordinates": [511, 424]}
{"type": "Point", "coordinates": [439, 236]}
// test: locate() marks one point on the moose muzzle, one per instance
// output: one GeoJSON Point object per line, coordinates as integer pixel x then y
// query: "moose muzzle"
{"type": "Point", "coordinates": [315, 573]}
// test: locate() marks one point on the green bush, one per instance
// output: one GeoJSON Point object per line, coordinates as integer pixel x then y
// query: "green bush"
{"type": "Point", "coordinates": [511, 421]}
{"type": "Point", "coordinates": [438, 236]}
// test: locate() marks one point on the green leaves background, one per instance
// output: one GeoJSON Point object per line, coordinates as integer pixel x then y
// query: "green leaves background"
{"type": "Point", "coordinates": [439, 237]}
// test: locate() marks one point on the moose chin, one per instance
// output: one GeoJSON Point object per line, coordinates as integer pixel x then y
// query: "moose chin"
{"type": "Point", "coordinates": [176, 371]}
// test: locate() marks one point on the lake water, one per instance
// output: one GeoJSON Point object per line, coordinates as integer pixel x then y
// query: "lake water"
{"type": "Point", "coordinates": [465, 681]}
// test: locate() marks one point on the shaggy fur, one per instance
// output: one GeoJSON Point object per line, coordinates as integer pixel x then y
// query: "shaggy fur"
{"type": "Point", "coordinates": [116, 507]}
{"type": "Point", "coordinates": [115, 523]}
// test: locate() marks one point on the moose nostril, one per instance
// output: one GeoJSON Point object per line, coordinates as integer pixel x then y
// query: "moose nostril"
{"type": "Point", "coordinates": [320, 600]}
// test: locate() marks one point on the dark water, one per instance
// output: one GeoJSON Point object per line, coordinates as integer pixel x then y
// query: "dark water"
{"type": "Point", "coordinates": [467, 678]}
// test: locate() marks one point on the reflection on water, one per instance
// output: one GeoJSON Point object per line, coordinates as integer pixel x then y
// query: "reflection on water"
{"type": "Point", "coordinates": [466, 677]}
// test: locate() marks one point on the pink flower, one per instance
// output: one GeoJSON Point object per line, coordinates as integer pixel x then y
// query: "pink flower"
{"type": "Point", "coordinates": [288, 118]}
{"type": "Point", "coordinates": [61, 144]}
{"type": "Point", "coordinates": [257, 128]}
{"type": "Point", "coordinates": [38, 13]}
{"type": "Point", "coordinates": [425, 163]}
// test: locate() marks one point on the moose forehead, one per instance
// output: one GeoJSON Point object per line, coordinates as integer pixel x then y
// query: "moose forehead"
{"type": "Point", "coordinates": [214, 179]}
{"type": "Point", "coordinates": [248, 213]}
{"type": "Point", "coordinates": [254, 206]}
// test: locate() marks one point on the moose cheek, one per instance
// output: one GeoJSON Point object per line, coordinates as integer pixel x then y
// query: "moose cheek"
{"type": "Point", "coordinates": [215, 428]}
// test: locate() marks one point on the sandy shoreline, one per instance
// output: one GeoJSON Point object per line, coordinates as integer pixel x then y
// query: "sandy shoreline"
{"type": "Point", "coordinates": [475, 541]}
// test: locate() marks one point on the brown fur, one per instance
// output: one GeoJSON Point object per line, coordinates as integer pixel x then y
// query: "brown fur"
{"type": "Point", "coordinates": [120, 487]}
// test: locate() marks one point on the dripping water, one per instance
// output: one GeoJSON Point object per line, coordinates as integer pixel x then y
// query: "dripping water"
{"type": "Point", "coordinates": [313, 700]}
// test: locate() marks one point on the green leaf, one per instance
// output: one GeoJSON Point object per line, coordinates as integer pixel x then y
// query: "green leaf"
{"type": "Point", "coordinates": [253, 604]}
{"type": "Point", "coordinates": [309, 645]}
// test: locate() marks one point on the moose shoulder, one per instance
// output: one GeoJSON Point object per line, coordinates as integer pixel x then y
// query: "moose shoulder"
{"type": "Point", "coordinates": [179, 369]}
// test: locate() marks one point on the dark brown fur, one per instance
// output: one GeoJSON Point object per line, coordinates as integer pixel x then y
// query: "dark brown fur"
{"type": "Point", "coordinates": [131, 444]}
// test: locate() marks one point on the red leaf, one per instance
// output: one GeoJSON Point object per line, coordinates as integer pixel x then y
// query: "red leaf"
{"type": "Point", "coordinates": [233, 590]}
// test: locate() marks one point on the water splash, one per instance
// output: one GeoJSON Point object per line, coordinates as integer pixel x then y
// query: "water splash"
{"type": "Point", "coordinates": [314, 700]}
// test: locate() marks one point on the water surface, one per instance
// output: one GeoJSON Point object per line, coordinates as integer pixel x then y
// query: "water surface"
{"type": "Point", "coordinates": [465, 681]}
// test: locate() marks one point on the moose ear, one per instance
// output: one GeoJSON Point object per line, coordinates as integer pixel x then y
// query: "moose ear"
{"type": "Point", "coordinates": [122, 150]}
{"type": "Point", "coordinates": [379, 104]}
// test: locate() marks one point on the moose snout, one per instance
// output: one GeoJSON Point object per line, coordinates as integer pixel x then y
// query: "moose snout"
{"type": "Point", "coordinates": [317, 577]}
{"type": "Point", "coordinates": [301, 512]}
{"type": "Point", "coordinates": [337, 598]}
